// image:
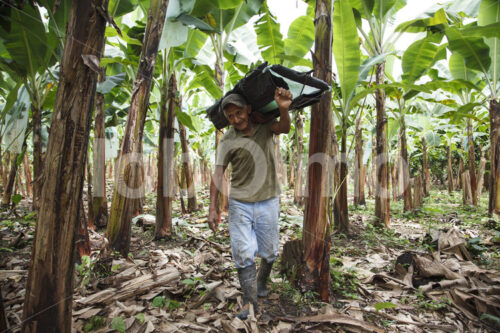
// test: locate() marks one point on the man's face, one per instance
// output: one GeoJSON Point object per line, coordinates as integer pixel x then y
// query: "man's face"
{"type": "Point", "coordinates": [238, 117]}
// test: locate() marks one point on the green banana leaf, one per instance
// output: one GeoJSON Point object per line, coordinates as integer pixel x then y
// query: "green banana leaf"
{"type": "Point", "coordinates": [26, 41]}
{"type": "Point", "coordinates": [419, 57]}
{"type": "Point", "coordinates": [346, 49]}
{"type": "Point", "coordinates": [489, 13]}
{"type": "Point", "coordinates": [300, 37]}
{"type": "Point", "coordinates": [205, 79]}
{"type": "Point", "coordinates": [458, 69]}
{"type": "Point", "coordinates": [421, 24]}
{"type": "Point", "coordinates": [473, 49]}
{"type": "Point", "coordinates": [118, 8]}
{"type": "Point", "coordinates": [269, 38]}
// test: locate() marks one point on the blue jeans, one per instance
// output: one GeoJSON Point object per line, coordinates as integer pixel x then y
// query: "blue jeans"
{"type": "Point", "coordinates": [253, 228]}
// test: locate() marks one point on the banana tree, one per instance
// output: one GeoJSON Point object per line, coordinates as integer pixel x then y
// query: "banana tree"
{"type": "Point", "coordinates": [316, 229]}
{"type": "Point", "coordinates": [31, 50]}
{"type": "Point", "coordinates": [127, 192]}
{"type": "Point", "coordinates": [378, 15]}
{"type": "Point", "coordinates": [347, 55]}
{"type": "Point", "coordinates": [179, 44]}
{"type": "Point", "coordinates": [49, 287]}
{"type": "Point", "coordinates": [480, 47]}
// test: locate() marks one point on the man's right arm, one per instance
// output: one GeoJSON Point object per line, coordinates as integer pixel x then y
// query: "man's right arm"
{"type": "Point", "coordinates": [215, 185]}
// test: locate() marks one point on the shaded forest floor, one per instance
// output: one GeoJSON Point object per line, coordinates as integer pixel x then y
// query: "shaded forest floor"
{"type": "Point", "coordinates": [435, 270]}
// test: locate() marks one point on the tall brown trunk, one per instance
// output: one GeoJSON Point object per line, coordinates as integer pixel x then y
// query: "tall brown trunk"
{"type": "Point", "coordinates": [494, 197]}
{"type": "Point", "coordinates": [418, 192]}
{"type": "Point", "coordinates": [472, 164]}
{"type": "Point", "coordinates": [425, 168]}
{"type": "Point", "coordinates": [223, 194]}
{"type": "Point", "coordinates": [449, 170]}
{"type": "Point", "coordinates": [129, 184]}
{"type": "Point", "coordinates": [298, 190]}
{"type": "Point", "coordinates": [405, 172]}
{"type": "Point", "coordinates": [342, 224]}
{"type": "Point", "coordinates": [7, 191]}
{"type": "Point", "coordinates": [166, 145]}
{"type": "Point", "coordinates": [82, 238]}
{"type": "Point", "coordinates": [5, 166]}
{"type": "Point", "coordinates": [49, 287]}
{"type": "Point", "coordinates": [466, 189]}
{"type": "Point", "coordinates": [27, 175]}
{"type": "Point", "coordinates": [188, 170]}
{"type": "Point", "coordinates": [19, 186]}
{"type": "Point", "coordinates": [292, 161]}
{"type": "Point", "coordinates": [359, 197]}
{"type": "Point", "coordinates": [460, 171]}
{"type": "Point", "coordinates": [316, 231]}
{"type": "Point", "coordinates": [382, 197]}
{"type": "Point", "coordinates": [480, 177]}
{"type": "Point", "coordinates": [99, 202]}
{"type": "Point", "coordinates": [37, 156]}
{"type": "Point", "coordinates": [90, 216]}
{"type": "Point", "coordinates": [2, 173]}
{"type": "Point", "coordinates": [362, 183]}
{"type": "Point", "coordinates": [394, 181]}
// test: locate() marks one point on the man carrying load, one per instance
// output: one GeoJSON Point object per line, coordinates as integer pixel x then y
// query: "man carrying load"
{"type": "Point", "coordinates": [254, 196]}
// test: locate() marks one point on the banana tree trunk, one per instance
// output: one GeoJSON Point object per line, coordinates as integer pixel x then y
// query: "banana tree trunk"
{"type": "Point", "coordinates": [316, 237]}
{"type": "Point", "coordinates": [342, 224]}
{"type": "Point", "coordinates": [223, 193]}
{"type": "Point", "coordinates": [188, 169]}
{"type": "Point", "coordinates": [382, 197]}
{"type": "Point", "coordinates": [405, 172]}
{"type": "Point", "coordinates": [460, 171]}
{"type": "Point", "coordinates": [5, 166]}
{"type": "Point", "coordinates": [166, 147]}
{"type": "Point", "coordinates": [494, 198]}
{"type": "Point", "coordinates": [49, 287]}
{"type": "Point", "coordinates": [129, 182]}
{"type": "Point", "coordinates": [99, 202]}
{"type": "Point", "coordinates": [292, 159]}
{"type": "Point", "coordinates": [298, 189]}
{"type": "Point", "coordinates": [418, 192]}
{"type": "Point", "coordinates": [19, 185]}
{"type": "Point", "coordinates": [480, 177]}
{"type": "Point", "coordinates": [82, 238]}
{"type": "Point", "coordinates": [9, 187]}
{"type": "Point", "coordinates": [472, 164]}
{"type": "Point", "coordinates": [425, 168]}
{"type": "Point", "coordinates": [37, 156]}
{"type": "Point", "coordinates": [359, 182]}
{"type": "Point", "coordinates": [394, 181]}
{"type": "Point", "coordinates": [449, 170]}
{"type": "Point", "coordinates": [466, 189]}
{"type": "Point", "coordinates": [27, 175]}
{"type": "Point", "coordinates": [90, 216]}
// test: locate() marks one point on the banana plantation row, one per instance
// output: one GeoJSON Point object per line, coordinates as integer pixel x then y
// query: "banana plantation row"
{"type": "Point", "coordinates": [81, 76]}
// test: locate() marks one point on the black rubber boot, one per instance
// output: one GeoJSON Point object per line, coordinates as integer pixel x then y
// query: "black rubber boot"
{"type": "Point", "coordinates": [248, 283]}
{"type": "Point", "coordinates": [264, 272]}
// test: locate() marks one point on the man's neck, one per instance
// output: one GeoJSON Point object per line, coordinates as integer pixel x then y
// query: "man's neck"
{"type": "Point", "coordinates": [250, 129]}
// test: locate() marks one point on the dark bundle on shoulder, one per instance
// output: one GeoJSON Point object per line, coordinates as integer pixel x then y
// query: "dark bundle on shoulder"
{"type": "Point", "coordinates": [258, 88]}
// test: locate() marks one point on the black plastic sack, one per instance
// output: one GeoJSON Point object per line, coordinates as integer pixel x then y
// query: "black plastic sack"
{"type": "Point", "coordinates": [258, 88]}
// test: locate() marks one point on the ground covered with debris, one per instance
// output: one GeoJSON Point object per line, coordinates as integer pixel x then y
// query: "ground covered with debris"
{"type": "Point", "coordinates": [435, 270]}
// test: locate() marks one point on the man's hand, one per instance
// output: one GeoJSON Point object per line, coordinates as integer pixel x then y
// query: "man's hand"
{"type": "Point", "coordinates": [283, 98]}
{"type": "Point", "coordinates": [213, 220]}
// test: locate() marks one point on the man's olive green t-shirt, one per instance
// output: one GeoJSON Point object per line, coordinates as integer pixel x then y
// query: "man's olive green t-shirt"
{"type": "Point", "coordinates": [253, 174]}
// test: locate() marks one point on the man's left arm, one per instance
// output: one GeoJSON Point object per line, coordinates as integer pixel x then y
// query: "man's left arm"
{"type": "Point", "coordinates": [283, 98]}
